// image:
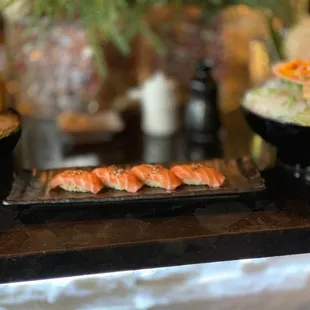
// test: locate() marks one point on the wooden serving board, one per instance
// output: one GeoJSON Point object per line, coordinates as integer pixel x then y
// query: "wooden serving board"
{"type": "Point", "coordinates": [32, 188]}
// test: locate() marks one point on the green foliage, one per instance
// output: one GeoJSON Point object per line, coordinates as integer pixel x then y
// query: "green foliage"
{"type": "Point", "coordinates": [121, 20]}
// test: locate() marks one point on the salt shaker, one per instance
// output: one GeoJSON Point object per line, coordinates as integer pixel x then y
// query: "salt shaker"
{"type": "Point", "coordinates": [158, 106]}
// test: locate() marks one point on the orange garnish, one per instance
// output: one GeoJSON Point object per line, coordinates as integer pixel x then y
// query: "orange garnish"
{"type": "Point", "coordinates": [297, 70]}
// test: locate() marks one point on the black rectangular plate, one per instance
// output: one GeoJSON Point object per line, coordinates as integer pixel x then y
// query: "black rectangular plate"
{"type": "Point", "coordinates": [31, 188]}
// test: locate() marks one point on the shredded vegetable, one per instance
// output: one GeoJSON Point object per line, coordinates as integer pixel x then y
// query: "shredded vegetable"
{"type": "Point", "coordinates": [279, 100]}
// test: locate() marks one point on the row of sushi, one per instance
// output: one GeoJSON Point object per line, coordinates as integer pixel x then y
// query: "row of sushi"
{"type": "Point", "coordinates": [132, 180]}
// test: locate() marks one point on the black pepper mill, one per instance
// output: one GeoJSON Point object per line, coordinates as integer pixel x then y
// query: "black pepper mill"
{"type": "Point", "coordinates": [201, 112]}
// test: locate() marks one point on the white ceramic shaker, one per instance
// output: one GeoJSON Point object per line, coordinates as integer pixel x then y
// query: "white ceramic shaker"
{"type": "Point", "coordinates": [158, 106]}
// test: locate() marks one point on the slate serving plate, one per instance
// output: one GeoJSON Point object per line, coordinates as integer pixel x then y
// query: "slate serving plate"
{"type": "Point", "coordinates": [30, 188]}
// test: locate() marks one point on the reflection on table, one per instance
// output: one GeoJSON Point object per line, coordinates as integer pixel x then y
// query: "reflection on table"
{"type": "Point", "coordinates": [44, 146]}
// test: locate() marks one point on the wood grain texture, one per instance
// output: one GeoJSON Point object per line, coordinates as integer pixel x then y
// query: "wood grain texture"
{"type": "Point", "coordinates": [32, 187]}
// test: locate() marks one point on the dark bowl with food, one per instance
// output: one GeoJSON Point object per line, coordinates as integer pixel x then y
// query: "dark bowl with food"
{"type": "Point", "coordinates": [292, 141]}
{"type": "Point", "coordinates": [10, 132]}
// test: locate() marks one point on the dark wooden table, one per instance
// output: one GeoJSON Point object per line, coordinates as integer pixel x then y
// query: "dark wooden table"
{"type": "Point", "coordinates": [35, 245]}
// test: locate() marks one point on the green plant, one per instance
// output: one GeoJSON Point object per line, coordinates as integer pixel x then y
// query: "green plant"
{"type": "Point", "coordinates": [119, 21]}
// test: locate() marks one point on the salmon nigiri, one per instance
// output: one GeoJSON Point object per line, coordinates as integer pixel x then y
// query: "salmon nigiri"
{"type": "Point", "coordinates": [77, 181]}
{"type": "Point", "coordinates": [197, 174]}
{"type": "Point", "coordinates": [117, 178]}
{"type": "Point", "coordinates": [156, 176]}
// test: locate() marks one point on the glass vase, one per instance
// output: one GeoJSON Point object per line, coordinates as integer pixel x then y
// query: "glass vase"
{"type": "Point", "coordinates": [51, 68]}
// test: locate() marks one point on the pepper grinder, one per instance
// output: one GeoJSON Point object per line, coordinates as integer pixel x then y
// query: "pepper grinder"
{"type": "Point", "coordinates": [201, 112]}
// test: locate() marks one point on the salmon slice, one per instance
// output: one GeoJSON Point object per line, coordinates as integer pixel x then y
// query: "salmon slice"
{"type": "Point", "coordinates": [117, 178]}
{"type": "Point", "coordinates": [156, 176]}
{"type": "Point", "coordinates": [77, 181]}
{"type": "Point", "coordinates": [197, 174]}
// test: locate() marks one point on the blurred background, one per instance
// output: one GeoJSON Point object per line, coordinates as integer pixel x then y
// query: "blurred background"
{"type": "Point", "coordinates": [117, 82]}
{"type": "Point", "coordinates": [125, 81]}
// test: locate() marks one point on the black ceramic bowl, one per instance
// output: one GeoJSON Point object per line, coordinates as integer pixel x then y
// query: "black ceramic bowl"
{"type": "Point", "coordinates": [8, 143]}
{"type": "Point", "coordinates": [292, 141]}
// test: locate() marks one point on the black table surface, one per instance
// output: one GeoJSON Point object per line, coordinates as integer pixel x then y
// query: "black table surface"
{"type": "Point", "coordinates": [46, 244]}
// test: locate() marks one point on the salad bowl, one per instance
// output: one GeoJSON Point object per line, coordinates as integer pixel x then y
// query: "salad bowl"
{"type": "Point", "coordinates": [291, 140]}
